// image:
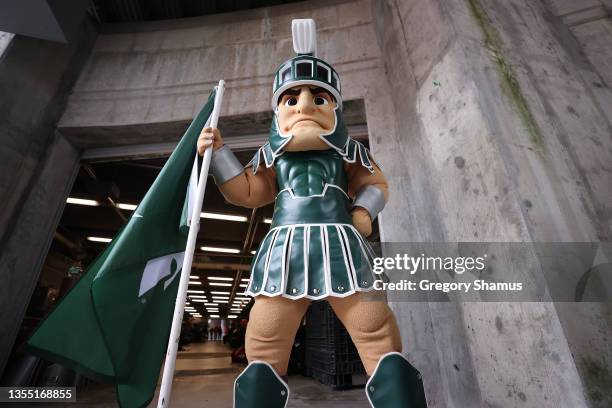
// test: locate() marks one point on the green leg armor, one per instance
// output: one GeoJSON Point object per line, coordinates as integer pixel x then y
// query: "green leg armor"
{"type": "Point", "coordinates": [260, 386]}
{"type": "Point", "coordinates": [395, 383]}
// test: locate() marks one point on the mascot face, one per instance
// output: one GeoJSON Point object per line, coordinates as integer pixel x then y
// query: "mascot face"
{"type": "Point", "coordinates": [306, 112]}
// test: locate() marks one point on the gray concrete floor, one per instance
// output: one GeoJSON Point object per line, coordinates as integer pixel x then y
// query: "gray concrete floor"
{"type": "Point", "coordinates": [204, 378]}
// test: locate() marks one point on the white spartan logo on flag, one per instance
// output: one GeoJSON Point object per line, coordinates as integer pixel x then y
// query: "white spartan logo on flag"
{"type": "Point", "coordinates": [158, 269]}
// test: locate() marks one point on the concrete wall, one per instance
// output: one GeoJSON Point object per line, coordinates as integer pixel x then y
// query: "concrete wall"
{"type": "Point", "coordinates": [37, 165]}
{"type": "Point", "coordinates": [489, 118]}
{"type": "Point", "coordinates": [516, 141]}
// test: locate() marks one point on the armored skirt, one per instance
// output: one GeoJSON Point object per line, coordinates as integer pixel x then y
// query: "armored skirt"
{"type": "Point", "coordinates": [312, 249]}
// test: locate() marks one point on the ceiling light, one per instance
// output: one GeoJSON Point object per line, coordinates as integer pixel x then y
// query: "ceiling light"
{"type": "Point", "coordinates": [195, 283]}
{"type": "Point", "coordinates": [194, 277]}
{"type": "Point", "coordinates": [226, 217]}
{"type": "Point", "coordinates": [129, 207]}
{"type": "Point", "coordinates": [267, 220]}
{"type": "Point", "coordinates": [219, 292]}
{"type": "Point", "coordinates": [221, 301]}
{"type": "Point", "coordinates": [232, 316]}
{"type": "Point", "coordinates": [197, 296]}
{"type": "Point", "coordinates": [253, 252]}
{"type": "Point", "coordinates": [195, 291]}
{"type": "Point", "coordinates": [242, 298]}
{"type": "Point", "coordinates": [244, 285]}
{"type": "Point", "coordinates": [82, 201]}
{"type": "Point", "coordinates": [235, 310]}
{"type": "Point", "coordinates": [245, 279]}
{"type": "Point", "coordinates": [219, 249]}
{"type": "Point", "coordinates": [99, 239]}
{"type": "Point", "coordinates": [220, 278]}
{"type": "Point", "coordinates": [199, 300]}
{"type": "Point", "coordinates": [219, 284]}
{"type": "Point", "coordinates": [214, 316]}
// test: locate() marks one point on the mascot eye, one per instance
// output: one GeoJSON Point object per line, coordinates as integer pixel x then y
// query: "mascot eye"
{"type": "Point", "coordinates": [291, 101]}
{"type": "Point", "coordinates": [319, 100]}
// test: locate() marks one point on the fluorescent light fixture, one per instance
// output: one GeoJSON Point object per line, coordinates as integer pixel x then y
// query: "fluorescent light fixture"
{"type": "Point", "coordinates": [99, 239]}
{"type": "Point", "coordinates": [267, 221]}
{"type": "Point", "coordinates": [219, 292]}
{"type": "Point", "coordinates": [129, 207]}
{"type": "Point", "coordinates": [199, 300]}
{"type": "Point", "coordinates": [232, 316]}
{"type": "Point", "coordinates": [226, 217]}
{"type": "Point", "coordinates": [219, 249]}
{"type": "Point", "coordinates": [219, 284]}
{"type": "Point", "coordinates": [220, 278]}
{"type": "Point", "coordinates": [195, 291]}
{"type": "Point", "coordinates": [82, 201]}
{"type": "Point", "coordinates": [253, 252]}
{"type": "Point", "coordinates": [195, 283]}
{"type": "Point", "coordinates": [242, 298]}
{"type": "Point", "coordinates": [245, 279]}
{"type": "Point", "coordinates": [194, 277]}
{"type": "Point", "coordinates": [221, 301]}
{"type": "Point", "coordinates": [235, 310]}
{"type": "Point", "coordinates": [244, 285]}
{"type": "Point", "coordinates": [211, 304]}
{"type": "Point", "coordinates": [197, 296]}
{"type": "Point", "coordinates": [214, 316]}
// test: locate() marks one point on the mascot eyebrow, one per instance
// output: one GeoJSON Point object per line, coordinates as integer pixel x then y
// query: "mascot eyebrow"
{"type": "Point", "coordinates": [314, 90]}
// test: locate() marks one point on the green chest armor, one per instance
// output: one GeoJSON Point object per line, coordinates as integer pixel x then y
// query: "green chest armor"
{"type": "Point", "coordinates": [312, 189]}
{"type": "Point", "coordinates": [312, 249]}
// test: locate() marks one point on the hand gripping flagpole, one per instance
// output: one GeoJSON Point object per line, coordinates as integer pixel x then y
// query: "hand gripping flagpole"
{"type": "Point", "coordinates": [179, 306]}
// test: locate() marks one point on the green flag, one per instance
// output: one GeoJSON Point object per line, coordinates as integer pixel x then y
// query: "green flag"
{"type": "Point", "coordinates": [115, 323]}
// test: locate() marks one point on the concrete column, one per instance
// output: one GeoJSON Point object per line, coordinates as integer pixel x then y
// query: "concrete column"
{"type": "Point", "coordinates": [499, 136]}
{"type": "Point", "coordinates": [37, 165]}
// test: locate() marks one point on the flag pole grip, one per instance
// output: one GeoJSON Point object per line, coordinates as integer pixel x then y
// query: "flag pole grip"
{"type": "Point", "coordinates": [179, 306]}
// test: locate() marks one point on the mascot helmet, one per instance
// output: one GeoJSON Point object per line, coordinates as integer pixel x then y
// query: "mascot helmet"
{"type": "Point", "coordinates": [305, 68]}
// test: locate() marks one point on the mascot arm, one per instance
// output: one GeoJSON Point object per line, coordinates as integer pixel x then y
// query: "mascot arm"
{"type": "Point", "coordinates": [370, 192]}
{"type": "Point", "coordinates": [251, 190]}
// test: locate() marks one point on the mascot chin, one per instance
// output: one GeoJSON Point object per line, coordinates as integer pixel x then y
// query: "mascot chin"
{"type": "Point", "coordinates": [327, 190]}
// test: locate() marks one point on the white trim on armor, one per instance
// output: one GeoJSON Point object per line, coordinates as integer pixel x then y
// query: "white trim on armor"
{"type": "Point", "coordinates": [353, 270]}
{"type": "Point", "coordinates": [325, 187]}
{"type": "Point", "coordinates": [347, 149]}
{"type": "Point", "coordinates": [345, 250]}
{"type": "Point", "coordinates": [376, 369]}
{"type": "Point", "coordinates": [326, 260]}
{"type": "Point", "coordinates": [264, 281]}
{"type": "Point", "coordinates": [285, 276]}
{"type": "Point", "coordinates": [275, 373]}
{"type": "Point", "coordinates": [327, 267]}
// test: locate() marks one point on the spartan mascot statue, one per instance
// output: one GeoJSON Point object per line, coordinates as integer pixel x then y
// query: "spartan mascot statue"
{"type": "Point", "coordinates": [327, 190]}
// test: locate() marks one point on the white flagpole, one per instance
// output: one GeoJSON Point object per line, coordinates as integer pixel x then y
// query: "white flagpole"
{"type": "Point", "coordinates": [179, 306]}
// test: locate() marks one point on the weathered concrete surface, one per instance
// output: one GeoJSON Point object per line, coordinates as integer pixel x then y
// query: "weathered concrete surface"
{"type": "Point", "coordinates": [471, 155]}
{"type": "Point", "coordinates": [479, 169]}
{"type": "Point", "coordinates": [37, 165]}
{"type": "Point", "coordinates": [159, 73]}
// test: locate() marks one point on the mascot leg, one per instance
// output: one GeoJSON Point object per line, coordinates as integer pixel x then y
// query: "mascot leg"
{"type": "Point", "coordinates": [394, 383]}
{"type": "Point", "coordinates": [270, 334]}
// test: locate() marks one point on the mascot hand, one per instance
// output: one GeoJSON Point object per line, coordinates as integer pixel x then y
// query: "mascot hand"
{"type": "Point", "coordinates": [362, 221]}
{"type": "Point", "coordinates": [207, 137]}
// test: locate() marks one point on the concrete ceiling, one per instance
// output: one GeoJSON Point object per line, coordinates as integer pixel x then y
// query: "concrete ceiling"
{"type": "Point", "coordinates": [114, 11]}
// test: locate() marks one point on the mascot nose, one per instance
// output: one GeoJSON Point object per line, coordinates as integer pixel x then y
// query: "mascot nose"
{"type": "Point", "coordinates": [305, 103]}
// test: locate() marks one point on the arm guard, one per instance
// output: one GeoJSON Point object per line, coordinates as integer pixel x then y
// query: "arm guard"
{"type": "Point", "coordinates": [224, 165]}
{"type": "Point", "coordinates": [370, 198]}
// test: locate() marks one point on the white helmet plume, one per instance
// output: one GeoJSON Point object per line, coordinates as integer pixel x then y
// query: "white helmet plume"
{"type": "Point", "coordinates": [304, 36]}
